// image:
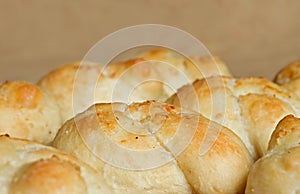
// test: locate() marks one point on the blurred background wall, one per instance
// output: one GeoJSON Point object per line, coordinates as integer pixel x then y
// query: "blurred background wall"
{"type": "Point", "coordinates": [255, 38]}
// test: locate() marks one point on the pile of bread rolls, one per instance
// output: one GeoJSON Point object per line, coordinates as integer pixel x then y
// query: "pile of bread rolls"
{"type": "Point", "coordinates": [158, 123]}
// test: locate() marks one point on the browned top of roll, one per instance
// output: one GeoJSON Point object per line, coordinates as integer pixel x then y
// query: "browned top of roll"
{"type": "Point", "coordinates": [31, 168]}
{"type": "Point", "coordinates": [153, 75]}
{"type": "Point", "coordinates": [251, 107]}
{"type": "Point", "coordinates": [288, 73]}
{"type": "Point", "coordinates": [111, 137]}
{"type": "Point", "coordinates": [28, 112]}
{"type": "Point", "coordinates": [278, 171]}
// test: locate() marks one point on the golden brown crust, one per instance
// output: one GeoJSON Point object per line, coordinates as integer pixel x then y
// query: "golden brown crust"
{"type": "Point", "coordinates": [153, 75]}
{"type": "Point", "coordinates": [28, 112]}
{"type": "Point", "coordinates": [194, 67]}
{"type": "Point", "coordinates": [261, 114]}
{"type": "Point", "coordinates": [60, 84]}
{"type": "Point", "coordinates": [20, 95]}
{"type": "Point", "coordinates": [125, 172]}
{"type": "Point", "coordinates": [289, 78]}
{"type": "Point", "coordinates": [252, 106]}
{"type": "Point", "coordinates": [278, 171]}
{"type": "Point", "coordinates": [286, 134]}
{"type": "Point", "coordinates": [288, 73]}
{"type": "Point", "coordinates": [226, 159]}
{"type": "Point", "coordinates": [149, 127]}
{"type": "Point", "coordinates": [28, 167]}
{"type": "Point", "coordinates": [48, 176]}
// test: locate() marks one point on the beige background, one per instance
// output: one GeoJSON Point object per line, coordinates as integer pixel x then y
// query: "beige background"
{"type": "Point", "coordinates": [252, 37]}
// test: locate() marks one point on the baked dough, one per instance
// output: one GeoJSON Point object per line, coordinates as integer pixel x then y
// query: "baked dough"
{"type": "Point", "coordinates": [289, 77]}
{"type": "Point", "coordinates": [251, 107]}
{"type": "Point", "coordinates": [60, 85]}
{"type": "Point", "coordinates": [31, 168]}
{"type": "Point", "coordinates": [194, 67]}
{"type": "Point", "coordinates": [154, 75]}
{"type": "Point", "coordinates": [288, 73]}
{"type": "Point", "coordinates": [28, 112]}
{"type": "Point", "coordinates": [152, 147]}
{"type": "Point", "coordinates": [278, 171]}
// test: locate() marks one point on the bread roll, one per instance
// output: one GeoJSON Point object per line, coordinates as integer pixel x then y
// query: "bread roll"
{"type": "Point", "coordinates": [288, 73]}
{"type": "Point", "coordinates": [153, 147]}
{"type": "Point", "coordinates": [60, 85]}
{"type": "Point", "coordinates": [206, 66]}
{"type": "Point", "coordinates": [28, 112]}
{"type": "Point", "coordinates": [278, 171]}
{"type": "Point", "coordinates": [154, 75]}
{"type": "Point", "coordinates": [289, 78]}
{"type": "Point", "coordinates": [31, 168]}
{"type": "Point", "coordinates": [252, 107]}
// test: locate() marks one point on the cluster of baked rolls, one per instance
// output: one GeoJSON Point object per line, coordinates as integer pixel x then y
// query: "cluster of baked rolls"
{"type": "Point", "coordinates": [159, 123]}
